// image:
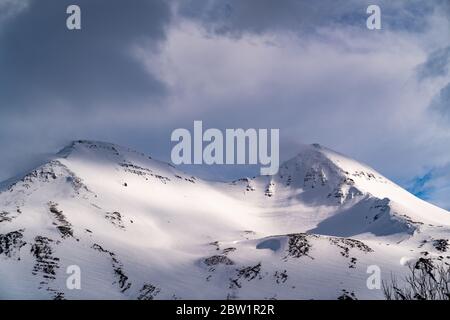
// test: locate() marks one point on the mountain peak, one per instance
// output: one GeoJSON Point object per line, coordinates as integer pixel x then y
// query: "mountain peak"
{"type": "Point", "coordinates": [101, 150]}
{"type": "Point", "coordinates": [113, 212]}
{"type": "Point", "coordinates": [77, 145]}
{"type": "Point", "coordinates": [322, 158]}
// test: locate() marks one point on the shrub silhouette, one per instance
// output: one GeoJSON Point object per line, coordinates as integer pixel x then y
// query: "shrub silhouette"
{"type": "Point", "coordinates": [425, 281]}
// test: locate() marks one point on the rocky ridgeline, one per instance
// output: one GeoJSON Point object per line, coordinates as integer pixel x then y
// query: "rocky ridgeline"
{"type": "Point", "coordinates": [11, 243]}
{"type": "Point", "coordinates": [122, 279]}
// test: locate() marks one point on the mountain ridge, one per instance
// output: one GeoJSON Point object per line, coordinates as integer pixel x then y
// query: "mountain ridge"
{"type": "Point", "coordinates": [139, 228]}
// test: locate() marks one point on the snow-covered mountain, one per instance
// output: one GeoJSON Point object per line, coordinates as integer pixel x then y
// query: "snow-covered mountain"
{"type": "Point", "coordinates": [141, 229]}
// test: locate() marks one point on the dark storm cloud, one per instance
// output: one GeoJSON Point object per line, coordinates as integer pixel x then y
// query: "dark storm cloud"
{"type": "Point", "coordinates": [57, 85]}
{"type": "Point", "coordinates": [42, 62]}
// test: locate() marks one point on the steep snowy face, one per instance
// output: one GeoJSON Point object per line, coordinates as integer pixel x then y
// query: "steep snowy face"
{"type": "Point", "coordinates": [324, 192]}
{"type": "Point", "coordinates": [141, 229]}
{"type": "Point", "coordinates": [323, 176]}
{"type": "Point", "coordinates": [316, 166]}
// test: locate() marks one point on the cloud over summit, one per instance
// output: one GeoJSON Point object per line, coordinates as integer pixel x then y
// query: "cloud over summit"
{"type": "Point", "coordinates": [138, 70]}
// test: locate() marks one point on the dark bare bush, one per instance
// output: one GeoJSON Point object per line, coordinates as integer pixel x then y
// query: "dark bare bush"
{"type": "Point", "coordinates": [425, 281]}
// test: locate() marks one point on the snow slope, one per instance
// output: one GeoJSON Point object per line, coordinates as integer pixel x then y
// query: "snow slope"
{"type": "Point", "coordinates": [141, 229]}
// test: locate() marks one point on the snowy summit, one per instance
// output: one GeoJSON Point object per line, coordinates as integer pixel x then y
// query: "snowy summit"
{"type": "Point", "coordinates": [141, 229]}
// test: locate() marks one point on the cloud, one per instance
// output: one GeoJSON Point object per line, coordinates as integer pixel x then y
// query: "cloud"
{"type": "Point", "coordinates": [57, 84]}
{"type": "Point", "coordinates": [10, 8]}
{"type": "Point", "coordinates": [353, 90]}
{"type": "Point", "coordinates": [441, 104]}
{"type": "Point", "coordinates": [135, 72]}
{"type": "Point", "coordinates": [436, 65]}
{"type": "Point", "coordinates": [89, 68]}
{"type": "Point", "coordinates": [434, 186]}
{"type": "Point", "coordinates": [236, 17]}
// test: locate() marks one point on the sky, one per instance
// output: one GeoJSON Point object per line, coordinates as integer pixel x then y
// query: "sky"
{"type": "Point", "coordinates": [137, 70]}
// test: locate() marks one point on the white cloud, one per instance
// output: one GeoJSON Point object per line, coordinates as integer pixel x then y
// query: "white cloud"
{"type": "Point", "coordinates": [351, 89]}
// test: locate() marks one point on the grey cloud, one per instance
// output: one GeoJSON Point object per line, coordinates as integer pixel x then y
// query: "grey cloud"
{"type": "Point", "coordinates": [235, 17]}
{"type": "Point", "coordinates": [9, 8]}
{"type": "Point", "coordinates": [41, 60]}
{"type": "Point", "coordinates": [441, 103]}
{"type": "Point", "coordinates": [437, 64]}
{"type": "Point", "coordinates": [57, 85]}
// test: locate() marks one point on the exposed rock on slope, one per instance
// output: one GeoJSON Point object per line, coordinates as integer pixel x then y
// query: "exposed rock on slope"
{"type": "Point", "coordinates": [140, 229]}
